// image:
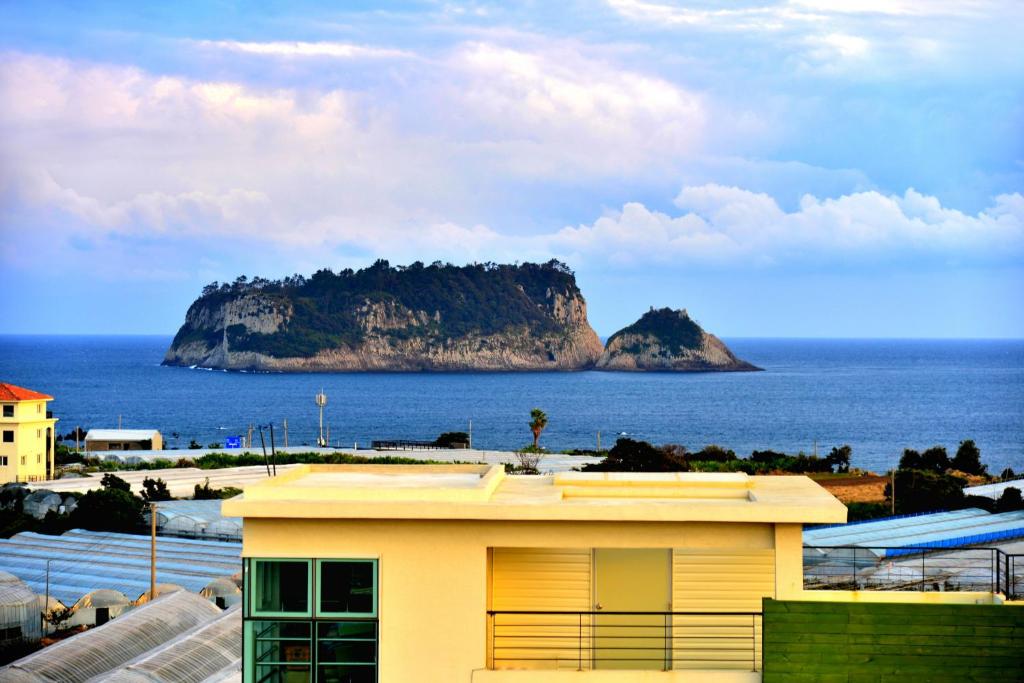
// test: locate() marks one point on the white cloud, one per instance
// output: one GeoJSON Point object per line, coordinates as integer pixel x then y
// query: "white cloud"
{"type": "Point", "coordinates": [720, 224]}
{"type": "Point", "coordinates": [300, 49]}
{"type": "Point", "coordinates": [555, 110]}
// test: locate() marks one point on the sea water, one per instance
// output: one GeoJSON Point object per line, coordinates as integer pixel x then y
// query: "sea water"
{"type": "Point", "coordinates": [879, 396]}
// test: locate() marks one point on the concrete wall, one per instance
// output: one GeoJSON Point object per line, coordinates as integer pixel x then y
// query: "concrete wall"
{"type": "Point", "coordinates": [434, 587]}
{"type": "Point", "coordinates": [846, 642]}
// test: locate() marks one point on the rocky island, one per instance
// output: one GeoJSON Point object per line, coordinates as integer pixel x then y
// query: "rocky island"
{"type": "Point", "coordinates": [439, 317]}
{"type": "Point", "coordinates": [479, 317]}
{"type": "Point", "coordinates": [668, 340]}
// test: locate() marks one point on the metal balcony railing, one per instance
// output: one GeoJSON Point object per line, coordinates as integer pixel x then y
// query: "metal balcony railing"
{"type": "Point", "coordinates": [913, 568]}
{"type": "Point", "coordinates": [586, 641]}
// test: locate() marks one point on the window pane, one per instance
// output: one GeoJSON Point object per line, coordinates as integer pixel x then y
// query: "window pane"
{"type": "Point", "coordinates": [346, 674]}
{"type": "Point", "coordinates": [283, 673]}
{"type": "Point", "coordinates": [281, 586]}
{"type": "Point", "coordinates": [346, 587]}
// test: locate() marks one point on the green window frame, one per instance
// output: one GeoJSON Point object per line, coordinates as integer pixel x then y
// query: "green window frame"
{"type": "Point", "coordinates": [320, 612]}
{"type": "Point", "coordinates": [274, 650]}
{"type": "Point", "coordinates": [254, 587]}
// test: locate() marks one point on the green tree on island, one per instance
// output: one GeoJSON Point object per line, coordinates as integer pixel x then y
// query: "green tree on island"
{"type": "Point", "coordinates": [538, 421]}
{"type": "Point", "coordinates": [968, 458]}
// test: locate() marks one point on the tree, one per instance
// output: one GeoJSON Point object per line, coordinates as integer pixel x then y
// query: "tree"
{"type": "Point", "coordinates": [108, 509]}
{"type": "Point", "coordinates": [968, 458]}
{"type": "Point", "coordinates": [934, 459]}
{"type": "Point", "coordinates": [628, 455]}
{"type": "Point", "coordinates": [112, 482]}
{"type": "Point", "coordinates": [1010, 500]}
{"type": "Point", "coordinates": [154, 490]}
{"type": "Point", "coordinates": [1008, 473]}
{"type": "Point", "coordinates": [193, 444]}
{"type": "Point", "coordinates": [923, 491]}
{"type": "Point", "coordinates": [839, 458]}
{"type": "Point", "coordinates": [538, 421]}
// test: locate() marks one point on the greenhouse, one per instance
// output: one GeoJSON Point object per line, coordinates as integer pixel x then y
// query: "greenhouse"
{"type": "Point", "coordinates": [212, 650]}
{"type": "Point", "coordinates": [19, 612]}
{"type": "Point", "coordinates": [80, 562]}
{"type": "Point", "coordinates": [119, 642]}
{"type": "Point", "coordinates": [196, 519]}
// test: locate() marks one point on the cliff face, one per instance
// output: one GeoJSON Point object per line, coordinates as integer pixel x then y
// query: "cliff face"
{"type": "Point", "coordinates": [668, 340]}
{"type": "Point", "coordinates": [439, 318]}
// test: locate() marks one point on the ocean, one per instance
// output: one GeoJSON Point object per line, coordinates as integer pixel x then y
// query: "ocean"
{"type": "Point", "coordinates": [879, 396]}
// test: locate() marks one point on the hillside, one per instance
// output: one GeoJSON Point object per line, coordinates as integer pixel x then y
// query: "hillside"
{"type": "Point", "coordinates": [436, 317]}
{"type": "Point", "coordinates": [668, 340]}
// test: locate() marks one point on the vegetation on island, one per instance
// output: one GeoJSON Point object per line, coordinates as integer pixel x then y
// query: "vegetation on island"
{"type": "Point", "coordinates": [480, 298]}
{"type": "Point", "coordinates": [674, 330]}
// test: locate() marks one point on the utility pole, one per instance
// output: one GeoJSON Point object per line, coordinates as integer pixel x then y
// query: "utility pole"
{"type": "Point", "coordinates": [598, 440]}
{"type": "Point", "coordinates": [152, 551]}
{"type": "Point", "coordinates": [285, 433]}
{"type": "Point", "coordinates": [263, 443]}
{"type": "Point", "coordinates": [78, 432]}
{"type": "Point", "coordinates": [273, 452]}
{"type": "Point", "coordinates": [328, 441]}
{"type": "Point", "coordinates": [46, 603]}
{"type": "Point", "coordinates": [471, 433]}
{"type": "Point", "coordinates": [249, 440]}
{"type": "Point", "coordinates": [119, 422]}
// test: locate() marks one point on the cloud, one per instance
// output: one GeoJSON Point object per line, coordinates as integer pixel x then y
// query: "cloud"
{"type": "Point", "coordinates": [300, 49]}
{"type": "Point", "coordinates": [730, 225]}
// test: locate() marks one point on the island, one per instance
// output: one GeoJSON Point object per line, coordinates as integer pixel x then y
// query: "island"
{"type": "Point", "coordinates": [664, 339]}
{"type": "Point", "coordinates": [439, 317]}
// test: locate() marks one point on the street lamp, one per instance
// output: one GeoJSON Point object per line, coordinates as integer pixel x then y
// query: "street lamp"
{"type": "Point", "coordinates": [321, 401]}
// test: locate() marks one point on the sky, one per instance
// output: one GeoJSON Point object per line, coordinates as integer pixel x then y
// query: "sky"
{"type": "Point", "coordinates": [800, 168]}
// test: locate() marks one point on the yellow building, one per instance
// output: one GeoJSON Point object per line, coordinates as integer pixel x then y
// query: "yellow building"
{"type": "Point", "coordinates": [27, 438]}
{"type": "Point", "coordinates": [444, 574]}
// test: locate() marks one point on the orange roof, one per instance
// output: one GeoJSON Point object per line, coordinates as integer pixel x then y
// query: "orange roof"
{"type": "Point", "coordinates": [9, 392]}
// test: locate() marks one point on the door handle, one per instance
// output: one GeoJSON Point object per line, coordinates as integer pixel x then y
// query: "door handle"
{"type": "Point", "coordinates": [598, 606]}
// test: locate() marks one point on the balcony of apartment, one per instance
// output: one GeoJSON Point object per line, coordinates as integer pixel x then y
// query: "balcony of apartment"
{"type": "Point", "coordinates": [627, 614]}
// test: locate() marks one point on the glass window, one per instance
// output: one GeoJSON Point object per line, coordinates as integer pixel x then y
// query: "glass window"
{"type": "Point", "coordinates": [347, 587]}
{"type": "Point", "coordinates": [8, 436]}
{"type": "Point", "coordinates": [346, 651]}
{"type": "Point", "coordinates": [281, 651]}
{"type": "Point", "coordinates": [281, 587]}
{"type": "Point", "coordinates": [3, 461]}
{"type": "Point", "coordinates": [8, 410]}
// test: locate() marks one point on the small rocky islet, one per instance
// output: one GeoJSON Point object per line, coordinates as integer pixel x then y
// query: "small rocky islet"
{"type": "Point", "coordinates": [430, 318]}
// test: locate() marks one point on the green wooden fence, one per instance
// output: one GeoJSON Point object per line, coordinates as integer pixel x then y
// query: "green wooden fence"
{"type": "Point", "coordinates": [845, 642]}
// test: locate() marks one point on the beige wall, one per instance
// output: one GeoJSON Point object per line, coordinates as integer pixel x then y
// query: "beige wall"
{"type": "Point", "coordinates": [434, 588]}
{"type": "Point", "coordinates": [157, 444]}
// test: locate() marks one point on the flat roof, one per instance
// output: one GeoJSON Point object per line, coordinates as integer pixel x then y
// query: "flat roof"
{"type": "Point", "coordinates": [482, 492]}
{"type": "Point", "coordinates": [120, 434]}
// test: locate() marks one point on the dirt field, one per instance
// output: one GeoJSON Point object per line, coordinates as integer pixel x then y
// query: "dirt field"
{"type": "Point", "coordinates": [865, 489]}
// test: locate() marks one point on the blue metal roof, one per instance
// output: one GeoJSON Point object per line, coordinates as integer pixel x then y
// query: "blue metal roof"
{"type": "Point", "coordinates": [84, 561]}
{"type": "Point", "coordinates": [940, 530]}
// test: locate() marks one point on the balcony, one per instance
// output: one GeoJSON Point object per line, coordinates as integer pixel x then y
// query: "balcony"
{"type": "Point", "coordinates": [625, 641]}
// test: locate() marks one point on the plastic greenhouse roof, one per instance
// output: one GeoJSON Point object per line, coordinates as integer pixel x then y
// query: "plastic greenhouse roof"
{"type": "Point", "coordinates": [946, 529]}
{"type": "Point", "coordinates": [83, 561]}
{"type": "Point", "coordinates": [210, 650]}
{"type": "Point", "coordinates": [104, 648]}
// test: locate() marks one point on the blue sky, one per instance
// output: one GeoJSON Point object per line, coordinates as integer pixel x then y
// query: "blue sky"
{"type": "Point", "coordinates": [796, 168]}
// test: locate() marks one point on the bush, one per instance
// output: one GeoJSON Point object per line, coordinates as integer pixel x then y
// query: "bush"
{"type": "Point", "coordinates": [107, 509]}
{"type": "Point", "coordinates": [638, 456]}
{"type": "Point", "coordinates": [112, 482]}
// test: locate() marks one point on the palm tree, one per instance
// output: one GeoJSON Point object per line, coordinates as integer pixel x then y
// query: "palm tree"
{"type": "Point", "coordinates": [538, 421]}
